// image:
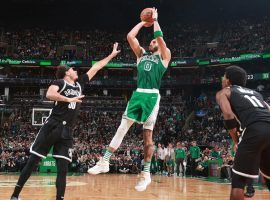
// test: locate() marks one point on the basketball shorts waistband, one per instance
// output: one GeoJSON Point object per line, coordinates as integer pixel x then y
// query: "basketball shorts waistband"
{"type": "Point", "coordinates": [147, 90]}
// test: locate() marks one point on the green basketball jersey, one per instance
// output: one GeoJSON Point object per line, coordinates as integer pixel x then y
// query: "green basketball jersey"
{"type": "Point", "coordinates": [150, 71]}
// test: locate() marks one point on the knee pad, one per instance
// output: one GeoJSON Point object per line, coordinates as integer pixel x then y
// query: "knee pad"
{"type": "Point", "coordinates": [239, 181]}
{"type": "Point", "coordinates": [120, 133]}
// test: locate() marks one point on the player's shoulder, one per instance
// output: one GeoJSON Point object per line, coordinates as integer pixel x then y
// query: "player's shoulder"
{"type": "Point", "coordinates": [244, 90]}
{"type": "Point", "coordinates": [142, 53]}
{"type": "Point", "coordinates": [224, 91]}
{"type": "Point", "coordinates": [58, 82]}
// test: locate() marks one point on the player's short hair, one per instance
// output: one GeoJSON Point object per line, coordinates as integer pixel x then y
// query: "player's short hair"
{"type": "Point", "coordinates": [236, 75]}
{"type": "Point", "coordinates": [61, 71]}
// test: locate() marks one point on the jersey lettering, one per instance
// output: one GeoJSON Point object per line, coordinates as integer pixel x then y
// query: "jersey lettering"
{"type": "Point", "coordinates": [255, 102]}
{"type": "Point", "coordinates": [147, 66]}
{"type": "Point", "coordinates": [248, 106]}
{"type": "Point", "coordinates": [72, 105]}
{"type": "Point", "coordinates": [242, 90]}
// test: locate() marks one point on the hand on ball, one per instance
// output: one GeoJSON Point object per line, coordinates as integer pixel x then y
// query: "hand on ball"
{"type": "Point", "coordinates": [154, 14]}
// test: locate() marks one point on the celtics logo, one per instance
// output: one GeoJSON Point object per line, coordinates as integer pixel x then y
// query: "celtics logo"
{"type": "Point", "coordinates": [147, 66]}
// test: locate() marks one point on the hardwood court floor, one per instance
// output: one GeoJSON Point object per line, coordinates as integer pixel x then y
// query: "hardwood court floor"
{"type": "Point", "coordinates": [114, 187]}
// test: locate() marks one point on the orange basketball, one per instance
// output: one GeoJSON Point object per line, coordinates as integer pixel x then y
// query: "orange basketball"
{"type": "Point", "coordinates": [146, 15]}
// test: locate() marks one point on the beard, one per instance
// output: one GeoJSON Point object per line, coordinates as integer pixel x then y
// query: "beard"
{"type": "Point", "coordinates": [155, 49]}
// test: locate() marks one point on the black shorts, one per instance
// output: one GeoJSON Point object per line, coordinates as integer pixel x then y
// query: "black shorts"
{"type": "Point", "coordinates": [53, 134]}
{"type": "Point", "coordinates": [253, 153]}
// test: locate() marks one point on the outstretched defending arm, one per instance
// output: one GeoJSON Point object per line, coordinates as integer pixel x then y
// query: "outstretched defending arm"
{"type": "Point", "coordinates": [158, 35]}
{"type": "Point", "coordinates": [100, 64]}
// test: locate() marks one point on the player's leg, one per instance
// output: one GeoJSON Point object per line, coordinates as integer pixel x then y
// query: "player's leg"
{"type": "Point", "coordinates": [193, 167]}
{"type": "Point", "coordinates": [182, 166]}
{"type": "Point", "coordinates": [247, 160]}
{"type": "Point", "coordinates": [267, 182]}
{"type": "Point", "coordinates": [145, 178]}
{"type": "Point", "coordinates": [265, 166]}
{"type": "Point", "coordinates": [103, 165]}
{"type": "Point", "coordinates": [25, 174]}
{"type": "Point", "coordinates": [238, 184]}
{"type": "Point", "coordinates": [39, 149]}
{"type": "Point", "coordinates": [62, 169]}
{"type": "Point", "coordinates": [178, 160]}
{"type": "Point", "coordinates": [241, 175]}
{"type": "Point", "coordinates": [148, 127]}
{"type": "Point", "coordinates": [130, 115]}
{"type": "Point", "coordinates": [150, 111]}
{"type": "Point", "coordinates": [62, 152]}
{"type": "Point", "coordinates": [250, 191]}
{"type": "Point", "coordinates": [162, 166]}
{"type": "Point", "coordinates": [118, 137]}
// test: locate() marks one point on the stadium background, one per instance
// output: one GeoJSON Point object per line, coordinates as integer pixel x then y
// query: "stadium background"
{"type": "Point", "coordinates": [204, 37]}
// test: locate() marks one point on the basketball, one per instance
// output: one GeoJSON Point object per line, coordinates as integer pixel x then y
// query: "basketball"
{"type": "Point", "coordinates": [146, 15]}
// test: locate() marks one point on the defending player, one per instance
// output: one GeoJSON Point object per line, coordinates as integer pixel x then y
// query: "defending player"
{"type": "Point", "coordinates": [56, 131]}
{"type": "Point", "coordinates": [144, 104]}
{"type": "Point", "coordinates": [247, 107]}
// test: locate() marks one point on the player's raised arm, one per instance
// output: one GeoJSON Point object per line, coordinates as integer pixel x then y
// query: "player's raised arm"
{"type": "Point", "coordinates": [158, 35]}
{"type": "Point", "coordinates": [54, 95]}
{"type": "Point", "coordinates": [229, 119]}
{"type": "Point", "coordinates": [100, 64]}
{"type": "Point", "coordinates": [133, 41]}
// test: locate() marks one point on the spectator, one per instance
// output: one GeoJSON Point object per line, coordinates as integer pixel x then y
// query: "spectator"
{"type": "Point", "coordinates": [194, 154]}
{"type": "Point", "coordinates": [180, 156]}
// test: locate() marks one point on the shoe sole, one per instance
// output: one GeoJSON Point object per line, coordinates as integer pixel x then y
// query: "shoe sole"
{"type": "Point", "coordinates": [142, 189]}
{"type": "Point", "coordinates": [95, 173]}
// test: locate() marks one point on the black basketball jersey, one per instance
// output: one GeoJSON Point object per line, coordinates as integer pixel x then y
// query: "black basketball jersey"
{"type": "Point", "coordinates": [248, 106]}
{"type": "Point", "coordinates": [64, 111]}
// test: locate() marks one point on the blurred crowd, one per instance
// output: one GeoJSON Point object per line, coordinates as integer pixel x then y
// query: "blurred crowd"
{"type": "Point", "coordinates": [188, 137]}
{"type": "Point", "coordinates": [229, 38]}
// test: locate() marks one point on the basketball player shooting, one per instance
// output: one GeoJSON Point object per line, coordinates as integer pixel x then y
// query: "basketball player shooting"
{"type": "Point", "coordinates": [66, 91]}
{"type": "Point", "coordinates": [246, 107]}
{"type": "Point", "coordinates": [144, 104]}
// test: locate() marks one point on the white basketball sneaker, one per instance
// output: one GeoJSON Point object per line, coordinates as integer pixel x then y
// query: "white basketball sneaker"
{"type": "Point", "coordinates": [102, 166]}
{"type": "Point", "coordinates": [144, 181]}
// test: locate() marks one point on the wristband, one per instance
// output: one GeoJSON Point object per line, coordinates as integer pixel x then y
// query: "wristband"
{"type": "Point", "coordinates": [158, 34]}
{"type": "Point", "coordinates": [230, 124]}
